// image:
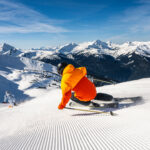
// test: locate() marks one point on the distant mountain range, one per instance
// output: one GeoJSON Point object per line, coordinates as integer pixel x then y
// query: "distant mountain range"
{"type": "Point", "coordinates": [123, 62]}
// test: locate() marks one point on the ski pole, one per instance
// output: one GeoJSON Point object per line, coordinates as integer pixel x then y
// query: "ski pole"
{"type": "Point", "coordinates": [95, 111]}
{"type": "Point", "coordinates": [112, 82]}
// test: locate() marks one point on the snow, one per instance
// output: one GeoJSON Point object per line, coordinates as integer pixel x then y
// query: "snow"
{"type": "Point", "coordinates": [5, 47]}
{"type": "Point", "coordinates": [93, 47]}
{"type": "Point", "coordinates": [17, 74]}
{"type": "Point", "coordinates": [38, 124]}
{"type": "Point", "coordinates": [67, 48]}
{"type": "Point", "coordinates": [142, 48]}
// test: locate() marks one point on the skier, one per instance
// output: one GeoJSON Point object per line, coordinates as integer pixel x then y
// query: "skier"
{"type": "Point", "coordinates": [75, 80]}
{"type": "Point", "coordinates": [10, 99]}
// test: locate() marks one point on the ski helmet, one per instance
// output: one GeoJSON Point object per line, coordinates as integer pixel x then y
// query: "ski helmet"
{"type": "Point", "coordinates": [61, 67]}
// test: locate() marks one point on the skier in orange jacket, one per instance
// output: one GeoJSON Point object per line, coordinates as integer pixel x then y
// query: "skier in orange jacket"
{"type": "Point", "coordinates": [75, 80]}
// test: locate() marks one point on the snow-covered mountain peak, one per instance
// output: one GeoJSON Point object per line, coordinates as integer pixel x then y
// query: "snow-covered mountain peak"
{"type": "Point", "coordinates": [82, 46]}
{"type": "Point", "coordinates": [6, 47]}
{"type": "Point", "coordinates": [67, 48]}
{"type": "Point", "coordinates": [109, 43]}
{"type": "Point", "coordinates": [141, 48]}
{"type": "Point", "coordinates": [93, 47]}
{"type": "Point", "coordinates": [99, 45]}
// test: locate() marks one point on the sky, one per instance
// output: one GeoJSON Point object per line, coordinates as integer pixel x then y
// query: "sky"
{"type": "Point", "coordinates": [36, 23]}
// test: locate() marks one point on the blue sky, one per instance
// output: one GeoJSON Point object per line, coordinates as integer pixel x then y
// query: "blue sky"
{"type": "Point", "coordinates": [36, 23]}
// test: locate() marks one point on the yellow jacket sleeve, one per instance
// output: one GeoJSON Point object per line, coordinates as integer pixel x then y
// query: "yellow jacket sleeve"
{"type": "Point", "coordinates": [66, 95]}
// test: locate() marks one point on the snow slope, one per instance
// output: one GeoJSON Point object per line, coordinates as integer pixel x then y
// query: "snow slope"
{"type": "Point", "coordinates": [38, 124]}
{"type": "Point", "coordinates": [19, 74]}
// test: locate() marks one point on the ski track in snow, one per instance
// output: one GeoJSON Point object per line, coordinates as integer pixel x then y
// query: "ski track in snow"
{"type": "Point", "coordinates": [38, 125]}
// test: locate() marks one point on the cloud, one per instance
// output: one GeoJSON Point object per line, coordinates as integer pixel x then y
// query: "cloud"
{"type": "Point", "coordinates": [18, 18]}
{"type": "Point", "coordinates": [143, 1]}
{"type": "Point", "coordinates": [37, 27]}
{"type": "Point", "coordinates": [134, 19]}
{"type": "Point", "coordinates": [120, 38]}
{"type": "Point", "coordinates": [137, 13]}
{"type": "Point", "coordinates": [139, 18]}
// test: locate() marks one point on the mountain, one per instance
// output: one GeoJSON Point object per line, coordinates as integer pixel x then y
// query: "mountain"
{"type": "Point", "coordinates": [67, 48]}
{"type": "Point", "coordinates": [7, 49]}
{"type": "Point", "coordinates": [19, 74]}
{"type": "Point", "coordinates": [123, 62]}
{"type": "Point", "coordinates": [104, 59]}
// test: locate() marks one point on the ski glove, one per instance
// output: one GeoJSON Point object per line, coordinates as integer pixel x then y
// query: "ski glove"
{"type": "Point", "coordinates": [60, 106]}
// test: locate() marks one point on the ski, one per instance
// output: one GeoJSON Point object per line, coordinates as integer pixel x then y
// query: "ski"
{"type": "Point", "coordinates": [96, 105]}
{"type": "Point", "coordinates": [94, 111]}
{"type": "Point", "coordinates": [105, 105]}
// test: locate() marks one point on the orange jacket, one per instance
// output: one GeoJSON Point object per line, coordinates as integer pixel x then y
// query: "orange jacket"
{"type": "Point", "coordinates": [73, 79]}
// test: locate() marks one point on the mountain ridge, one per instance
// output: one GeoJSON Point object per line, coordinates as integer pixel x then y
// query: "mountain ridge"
{"type": "Point", "coordinates": [96, 46]}
{"type": "Point", "coordinates": [127, 61]}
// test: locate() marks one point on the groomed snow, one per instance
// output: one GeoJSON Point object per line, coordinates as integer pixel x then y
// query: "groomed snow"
{"type": "Point", "coordinates": [39, 125]}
